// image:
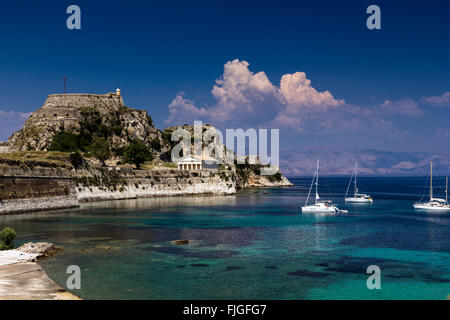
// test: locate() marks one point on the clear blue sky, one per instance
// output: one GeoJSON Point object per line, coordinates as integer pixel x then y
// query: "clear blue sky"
{"type": "Point", "coordinates": [155, 50]}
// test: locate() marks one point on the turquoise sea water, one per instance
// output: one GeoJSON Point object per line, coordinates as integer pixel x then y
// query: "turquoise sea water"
{"type": "Point", "coordinates": [255, 245]}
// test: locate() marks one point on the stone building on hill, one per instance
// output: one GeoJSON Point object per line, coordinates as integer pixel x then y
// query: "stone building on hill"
{"type": "Point", "coordinates": [67, 112]}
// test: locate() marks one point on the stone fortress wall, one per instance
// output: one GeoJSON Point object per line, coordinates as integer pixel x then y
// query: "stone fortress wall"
{"type": "Point", "coordinates": [4, 146]}
{"type": "Point", "coordinates": [63, 110]}
{"type": "Point", "coordinates": [159, 183]}
{"type": "Point", "coordinates": [26, 189]}
{"type": "Point", "coordinates": [69, 105]}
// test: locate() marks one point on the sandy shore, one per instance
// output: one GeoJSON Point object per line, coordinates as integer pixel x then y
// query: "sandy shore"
{"type": "Point", "coordinates": [23, 279]}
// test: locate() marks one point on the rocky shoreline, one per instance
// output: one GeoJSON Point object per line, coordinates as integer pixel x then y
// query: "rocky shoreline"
{"type": "Point", "coordinates": [37, 204]}
{"type": "Point", "coordinates": [98, 194]}
{"type": "Point", "coordinates": [21, 277]}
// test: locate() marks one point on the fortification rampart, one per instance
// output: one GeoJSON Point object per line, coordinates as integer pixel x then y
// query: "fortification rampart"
{"type": "Point", "coordinates": [35, 189]}
{"type": "Point", "coordinates": [24, 189]}
{"type": "Point", "coordinates": [69, 105]}
{"type": "Point", "coordinates": [69, 111]}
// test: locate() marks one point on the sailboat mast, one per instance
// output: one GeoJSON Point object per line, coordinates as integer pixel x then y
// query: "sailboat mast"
{"type": "Point", "coordinates": [431, 180]}
{"type": "Point", "coordinates": [446, 189]}
{"type": "Point", "coordinates": [356, 175]}
{"type": "Point", "coordinates": [317, 180]}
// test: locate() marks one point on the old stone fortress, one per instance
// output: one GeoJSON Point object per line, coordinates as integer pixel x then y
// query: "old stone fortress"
{"type": "Point", "coordinates": [63, 111]}
{"type": "Point", "coordinates": [33, 178]}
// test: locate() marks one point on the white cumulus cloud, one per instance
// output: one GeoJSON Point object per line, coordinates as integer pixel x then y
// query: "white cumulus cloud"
{"type": "Point", "coordinates": [242, 93]}
{"type": "Point", "coordinates": [183, 110]}
{"type": "Point", "coordinates": [243, 96]}
{"type": "Point", "coordinates": [298, 93]}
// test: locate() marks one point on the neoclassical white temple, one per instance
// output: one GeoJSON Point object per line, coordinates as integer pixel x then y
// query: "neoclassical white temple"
{"type": "Point", "coordinates": [189, 163]}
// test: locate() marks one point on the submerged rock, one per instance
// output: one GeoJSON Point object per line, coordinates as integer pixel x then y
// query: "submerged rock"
{"type": "Point", "coordinates": [180, 242]}
{"type": "Point", "coordinates": [107, 247]}
{"type": "Point", "coordinates": [232, 268]}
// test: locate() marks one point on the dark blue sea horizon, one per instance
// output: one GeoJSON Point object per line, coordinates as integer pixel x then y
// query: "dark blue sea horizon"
{"type": "Point", "coordinates": [253, 245]}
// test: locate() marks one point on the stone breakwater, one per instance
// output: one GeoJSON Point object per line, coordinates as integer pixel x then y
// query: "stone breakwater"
{"type": "Point", "coordinates": [38, 204]}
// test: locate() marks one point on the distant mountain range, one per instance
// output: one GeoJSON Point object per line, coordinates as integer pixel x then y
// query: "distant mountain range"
{"type": "Point", "coordinates": [302, 162]}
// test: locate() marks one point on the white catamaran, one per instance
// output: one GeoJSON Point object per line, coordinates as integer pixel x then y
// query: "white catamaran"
{"type": "Point", "coordinates": [357, 197]}
{"type": "Point", "coordinates": [434, 203]}
{"type": "Point", "coordinates": [323, 206]}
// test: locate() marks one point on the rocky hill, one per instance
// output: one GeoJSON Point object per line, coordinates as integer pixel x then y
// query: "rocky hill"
{"type": "Point", "coordinates": [247, 174]}
{"type": "Point", "coordinates": [212, 140]}
{"type": "Point", "coordinates": [91, 114]}
{"type": "Point", "coordinates": [91, 122]}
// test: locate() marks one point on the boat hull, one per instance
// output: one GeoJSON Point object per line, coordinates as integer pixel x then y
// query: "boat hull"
{"type": "Point", "coordinates": [316, 209]}
{"type": "Point", "coordinates": [358, 200]}
{"type": "Point", "coordinates": [423, 206]}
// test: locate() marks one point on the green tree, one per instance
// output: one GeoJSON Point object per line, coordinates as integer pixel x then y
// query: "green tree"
{"type": "Point", "coordinates": [64, 141]}
{"type": "Point", "coordinates": [137, 153]}
{"type": "Point", "coordinates": [76, 159]}
{"type": "Point", "coordinates": [100, 149]}
{"type": "Point", "coordinates": [256, 169]}
{"type": "Point", "coordinates": [7, 236]}
{"type": "Point", "coordinates": [117, 130]}
{"type": "Point", "coordinates": [156, 144]}
{"type": "Point", "coordinates": [276, 177]}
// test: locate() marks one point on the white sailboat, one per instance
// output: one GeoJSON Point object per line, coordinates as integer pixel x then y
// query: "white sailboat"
{"type": "Point", "coordinates": [323, 206]}
{"type": "Point", "coordinates": [434, 203]}
{"type": "Point", "coordinates": [357, 197]}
